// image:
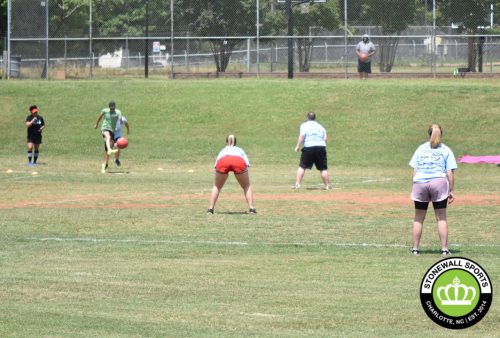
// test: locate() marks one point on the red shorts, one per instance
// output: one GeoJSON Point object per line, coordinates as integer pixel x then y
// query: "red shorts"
{"type": "Point", "coordinates": [231, 163]}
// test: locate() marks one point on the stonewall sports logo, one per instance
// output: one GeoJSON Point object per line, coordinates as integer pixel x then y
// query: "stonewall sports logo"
{"type": "Point", "coordinates": [456, 293]}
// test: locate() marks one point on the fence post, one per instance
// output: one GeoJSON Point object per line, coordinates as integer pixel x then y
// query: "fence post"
{"type": "Point", "coordinates": [90, 41]}
{"type": "Point", "coordinates": [345, 39]}
{"type": "Point", "coordinates": [433, 39]}
{"type": "Point", "coordinates": [258, 38]}
{"type": "Point", "coordinates": [172, 39]}
{"type": "Point", "coordinates": [7, 76]}
{"type": "Point", "coordinates": [248, 55]}
{"type": "Point", "coordinates": [65, 57]}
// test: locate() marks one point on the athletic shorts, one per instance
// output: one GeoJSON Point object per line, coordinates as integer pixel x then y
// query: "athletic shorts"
{"type": "Point", "coordinates": [364, 67]}
{"type": "Point", "coordinates": [313, 155]}
{"type": "Point", "coordinates": [434, 191]}
{"type": "Point", "coordinates": [35, 139]}
{"type": "Point", "coordinates": [229, 163]}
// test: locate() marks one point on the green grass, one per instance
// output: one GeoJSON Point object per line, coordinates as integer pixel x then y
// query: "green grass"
{"type": "Point", "coordinates": [132, 253]}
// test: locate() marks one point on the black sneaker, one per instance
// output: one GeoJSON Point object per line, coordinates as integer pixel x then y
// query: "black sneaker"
{"type": "Point", "coordinates": [416, 252]}
{"type": "Point", "coordinates": [252, 211]}
{"type": "Point", "coordinates": [210, 211]}
{"type": "Point", "coordinates": [118, 163]}
{"type": "Point", "coordinates": [445, 252]}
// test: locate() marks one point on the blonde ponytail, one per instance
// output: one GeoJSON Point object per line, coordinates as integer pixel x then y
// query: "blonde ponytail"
{"type": "Point", "coordinates": [231, 140]}
{"type": "Point", "coordinates": [435, 134]}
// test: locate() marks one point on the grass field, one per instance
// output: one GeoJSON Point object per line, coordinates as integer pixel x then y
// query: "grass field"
{"type": "Point", "coordinates": [132, 253]}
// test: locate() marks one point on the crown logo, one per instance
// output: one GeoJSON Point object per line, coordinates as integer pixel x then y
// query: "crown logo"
{"type": "Point", "coordinates": [449, 294]}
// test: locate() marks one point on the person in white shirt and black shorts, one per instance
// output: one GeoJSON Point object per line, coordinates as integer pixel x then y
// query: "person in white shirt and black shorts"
{"type": "Point", "coordinates": [313, 136]}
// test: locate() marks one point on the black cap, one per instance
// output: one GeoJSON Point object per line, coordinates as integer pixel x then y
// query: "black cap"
{"type": "Point", "coordinates": [112, 104]}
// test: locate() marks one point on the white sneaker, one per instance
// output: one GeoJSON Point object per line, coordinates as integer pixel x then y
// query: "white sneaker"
{"type": "Point", "coordinates": [328, 187]}
{"type": "Point", "coordinates": [296, 186]}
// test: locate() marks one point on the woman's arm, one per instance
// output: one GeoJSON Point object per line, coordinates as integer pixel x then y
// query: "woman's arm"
{"type": "Point", "coordinates": [98, 120]}
{"type": "Point", "coordinates": [451, 181]}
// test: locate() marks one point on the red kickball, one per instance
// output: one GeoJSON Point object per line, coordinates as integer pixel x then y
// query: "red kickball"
{"type": "Point", "coordinates": [363, 57]}
{"type": "Point", "coordinates": [122, 143]}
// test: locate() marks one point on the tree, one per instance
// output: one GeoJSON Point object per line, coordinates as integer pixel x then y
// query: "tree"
{"type": "Point", "coordinates": [393, 17]}
{"type": "Point", "coordinates": [222, 18]}
{"type": "Point", "coordinates": [3, 23]}
{"type": "Point", "coordinates": [469, 15]}
{"type": "Point", "coordinates": [319, 17]}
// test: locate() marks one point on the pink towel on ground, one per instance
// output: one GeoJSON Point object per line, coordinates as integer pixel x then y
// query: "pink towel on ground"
{"type": "Point", "coordinates": [479, 159]}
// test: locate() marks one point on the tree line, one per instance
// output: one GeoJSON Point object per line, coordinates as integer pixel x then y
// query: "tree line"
{"type": "Point", "coordinates": [213, 18]}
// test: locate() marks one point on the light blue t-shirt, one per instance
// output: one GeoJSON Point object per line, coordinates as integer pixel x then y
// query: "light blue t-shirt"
{"type": "Point", "coordinates": [432, 163]}
{"type": "Point", "coordinates": [118, 130]}
{"type": "Point", "coordinates": [314, 134]}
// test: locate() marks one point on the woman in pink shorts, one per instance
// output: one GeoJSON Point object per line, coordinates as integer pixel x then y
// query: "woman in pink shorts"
{"type": "Point", "coordinates": [433, 180]}
{"type": "Point", "coordinates": [232, 158]}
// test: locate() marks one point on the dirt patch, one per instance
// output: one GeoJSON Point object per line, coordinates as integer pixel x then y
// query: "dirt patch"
{"type": "Point", "coordinates": [143, 201]}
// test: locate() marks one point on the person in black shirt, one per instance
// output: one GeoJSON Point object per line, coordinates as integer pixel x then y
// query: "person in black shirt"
{"type": "Point", "coordinates": [35, 124]}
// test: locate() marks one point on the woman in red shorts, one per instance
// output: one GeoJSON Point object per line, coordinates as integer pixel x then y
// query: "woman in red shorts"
{"type": "Point", "coordinates": [232, 158]}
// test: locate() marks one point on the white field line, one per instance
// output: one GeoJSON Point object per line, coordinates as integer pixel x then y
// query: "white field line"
{"type": "Point", "coordinates": [237, 243]}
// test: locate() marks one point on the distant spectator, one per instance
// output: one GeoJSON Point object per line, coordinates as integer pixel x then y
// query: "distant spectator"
{"type": "Point", "coordinates": [367, 48]}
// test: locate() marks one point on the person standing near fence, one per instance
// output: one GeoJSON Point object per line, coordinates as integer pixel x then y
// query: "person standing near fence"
{"type": "Point", "coordinates": [313, 136]}
{"type": "Point", "coordinates": [365, 50]}
{"type": "Point", "coordinates": [433, 166]}
{"type": "Point", "coordinates": [35, 124]}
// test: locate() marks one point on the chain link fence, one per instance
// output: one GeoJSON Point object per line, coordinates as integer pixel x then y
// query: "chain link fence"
{"type": "Point", "coordinates": [77, 39]}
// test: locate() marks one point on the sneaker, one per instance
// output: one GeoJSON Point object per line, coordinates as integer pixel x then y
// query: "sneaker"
{"type": "Point", "coordinates": [296, 186]}
{"type": "Point", "coordinates": [415, 252]}
{"type": "Point", "coordinates": [210, 211]}
{"type": "Point", "coordinates": [252, 211]}
{"type": "Point", "coordinates": [112, 151]}
{"type": "Point", "coordinates": [445, 252]}
{"type": "Point", "coordinates": [328, 187]}
{"type": "Point", "coordinates": [30, 164]}
{"type": "Point", "coordinates": [118, 163]}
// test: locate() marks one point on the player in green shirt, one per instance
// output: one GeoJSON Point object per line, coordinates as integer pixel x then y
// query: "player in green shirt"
{"type": "Point", "coordinates": [109, 116]}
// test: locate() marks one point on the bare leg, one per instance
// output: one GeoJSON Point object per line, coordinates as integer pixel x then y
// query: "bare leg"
{"type": "Point", "coordinates": [326, 180]}
{"type": "Point", "coordinates": [220, 179]}
{"type": "Point", "coordinates": [300, 176]}
{"type": "Point", "coordinates": [442, 227]}
{"type": "Point", "coordinates": [30, 152]}
{"type": "Point", "coordinates": [109, 142]}
{"type": "Point", "coordinates": [418, 224]}
{"type": "Point", "coordinates": [244, 181]}
{"type": "Point", "coordinates": [35, 154]}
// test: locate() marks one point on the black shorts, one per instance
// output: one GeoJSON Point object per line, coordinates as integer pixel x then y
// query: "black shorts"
{"type": "Point", "coordinates": [364, 67]}
{"type": "Point", "coordinates": [313, 155]}
{"type": "Point", "coordinates": [437, 205]}
{"type": "Point", "coordinates": [35, 139]}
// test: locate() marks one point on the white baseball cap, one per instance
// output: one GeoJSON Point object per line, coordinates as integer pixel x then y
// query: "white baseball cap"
{"type": "Point", "coordinates": [366, 36]}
